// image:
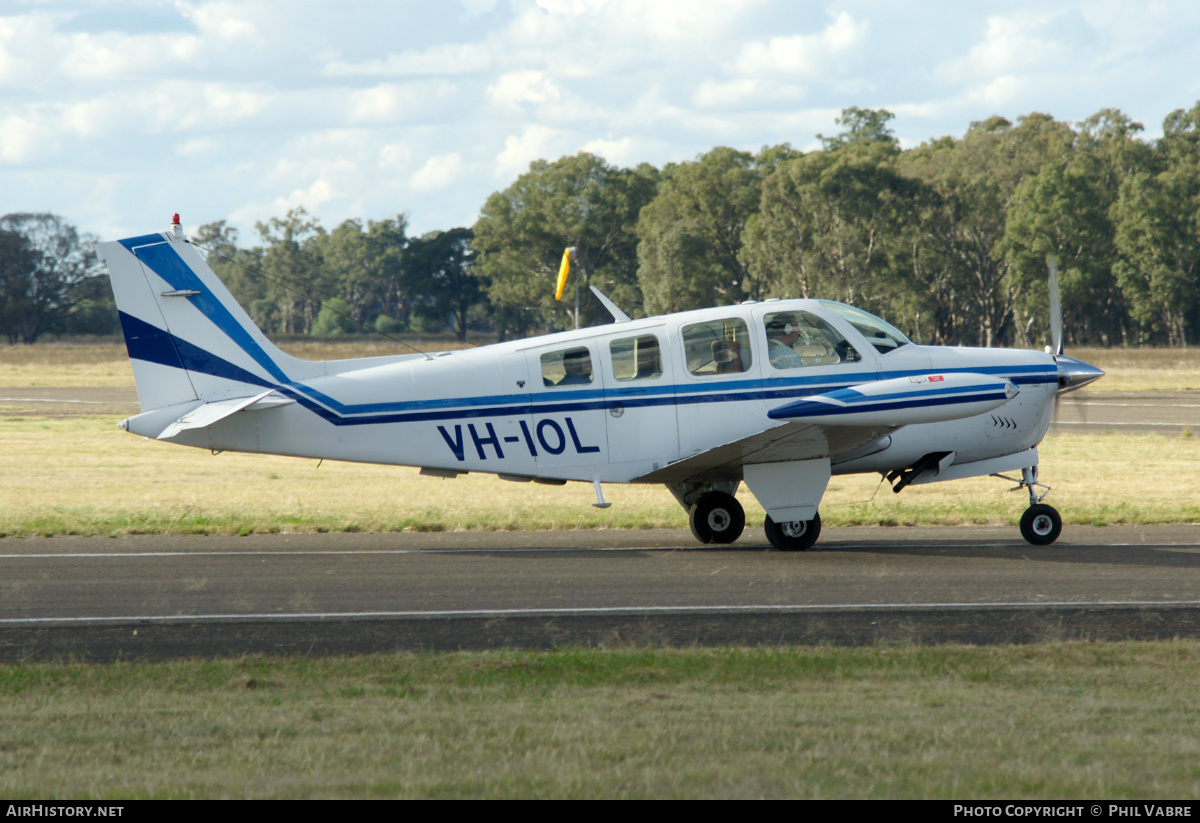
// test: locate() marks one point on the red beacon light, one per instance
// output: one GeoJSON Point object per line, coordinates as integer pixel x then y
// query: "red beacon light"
{"type": "Point", "coordinates": [176, 228]}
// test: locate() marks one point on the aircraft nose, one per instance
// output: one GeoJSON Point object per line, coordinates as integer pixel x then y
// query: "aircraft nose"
{"type": "Point", "coordinates": [1075, 374]}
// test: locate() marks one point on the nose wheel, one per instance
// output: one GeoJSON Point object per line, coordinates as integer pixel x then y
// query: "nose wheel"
{"type": "Point", "coordinates": [1041, 524]}
{"type": "Point", "coordinates": [717, 517]}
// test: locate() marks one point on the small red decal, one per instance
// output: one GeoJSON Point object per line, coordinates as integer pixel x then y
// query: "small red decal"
{"type": "Point", "coordinates": [935, 378]}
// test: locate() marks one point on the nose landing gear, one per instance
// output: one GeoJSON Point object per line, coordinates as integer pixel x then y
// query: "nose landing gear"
{"type": "Point", "coordinates": [1040, 524]}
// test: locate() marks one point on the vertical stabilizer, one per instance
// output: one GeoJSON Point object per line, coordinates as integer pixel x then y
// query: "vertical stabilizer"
{"type": "Point", "coordinates": [187, 338]}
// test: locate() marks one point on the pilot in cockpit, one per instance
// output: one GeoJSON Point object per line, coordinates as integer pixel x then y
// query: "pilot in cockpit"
{"type": "Point", "coordinates": [782, 335]}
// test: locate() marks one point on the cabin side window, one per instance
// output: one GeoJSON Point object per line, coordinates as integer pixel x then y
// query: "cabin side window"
{"type": "Point", "coordinates": [636, 358]}
{"type": "Point", "coordinates": [718, 347]}
{"type": "Point", "coordinates": [796, 339]}
{"type": "Point", "coordinates": [569, 367]}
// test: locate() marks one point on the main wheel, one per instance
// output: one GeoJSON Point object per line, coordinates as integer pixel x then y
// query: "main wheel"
{"type": "Point", "coordinates": [1041, 524]}
{"type": "Point", "coordinates": [717, 517]}
{"type": "Point", "coordinates": [795, 535]}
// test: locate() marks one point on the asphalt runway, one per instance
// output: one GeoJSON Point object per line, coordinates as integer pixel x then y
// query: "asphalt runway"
{"type": "Point", "coordinates": [170, 597]}
{"type": "Point", "coordinates": [1157, 412]}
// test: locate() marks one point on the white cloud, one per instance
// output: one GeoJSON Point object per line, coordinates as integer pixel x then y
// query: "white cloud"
{"type": "Point", "coordinates": [229, 22]}
{"type": "Point", "coordinates": [534, 142]}
{"type": "Point", "coordinates": [397, 102]}
{"type": "Point", "coordinates": [617, 152]}
{"type": "Point", "coordinates": [310, 198]}
{"type": "Point", "coordinates": [438, 172]}
{"type": "Point", "coordinates": [197, 147]}
{"type": "Point", "coordinates": [519, 87]}
{"type": "Point", "coordinates": [805, 55]}
{"type": "Point", "coordinates": [446, 58]}
{"type": "Point", "coordinates": [394, 155]}
{"type": "Point", "coordinates": [370, 108]}
{"type": "Point", "coordinates": [21, 139]}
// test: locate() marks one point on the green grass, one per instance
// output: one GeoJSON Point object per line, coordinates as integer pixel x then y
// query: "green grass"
{"type": "Point", "coordinates": [85, 477]}
{"type": "Point", "coordinates": [1071, 720]}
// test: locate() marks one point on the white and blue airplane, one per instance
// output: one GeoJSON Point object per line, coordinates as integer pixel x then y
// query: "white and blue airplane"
{"type": "Point", "coordinates": [778, 394]}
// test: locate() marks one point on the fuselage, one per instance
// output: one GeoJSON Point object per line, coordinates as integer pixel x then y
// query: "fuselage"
{"type": "Point", "coordinates": [659, 390]}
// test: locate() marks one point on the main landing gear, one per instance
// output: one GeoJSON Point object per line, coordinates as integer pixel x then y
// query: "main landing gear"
{"type": "Point", "coordinates": [794, 535]}
{"type": "Point", "coordinates": [1040, 524]}
{"type": "Point", "coordinates": [717, 517]}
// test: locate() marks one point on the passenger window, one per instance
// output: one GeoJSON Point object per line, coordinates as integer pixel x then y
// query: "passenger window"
{"type": "Point", "coordinates": [719, 347]}
{"type": "Point", "coordinates": [796, 339]}
{"type": "Point", "coordinates": [569, 367]}
{"type": "Point", "coordinates": [636, 358]}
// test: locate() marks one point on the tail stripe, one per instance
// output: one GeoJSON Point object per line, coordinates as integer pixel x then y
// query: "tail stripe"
{"type": "Point", "coordinates": [150, 343]}
{"type": "Point", "coordinates": [167, 264]}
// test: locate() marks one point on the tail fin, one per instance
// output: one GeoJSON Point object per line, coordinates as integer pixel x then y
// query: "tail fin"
{"type": "Point", "coordinates": [187, 338]}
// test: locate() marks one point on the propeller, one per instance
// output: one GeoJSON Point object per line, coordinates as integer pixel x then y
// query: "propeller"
{"type": "Point", "coordinates": [1056, 324]}
{"type": "Point", "coordinates": [1072, 374]}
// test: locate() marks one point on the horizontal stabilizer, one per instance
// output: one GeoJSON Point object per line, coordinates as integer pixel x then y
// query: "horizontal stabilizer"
{"type": "Point", "coordinates": [902, 401]}
{"type": "Point", "coordinates": [210, 413]}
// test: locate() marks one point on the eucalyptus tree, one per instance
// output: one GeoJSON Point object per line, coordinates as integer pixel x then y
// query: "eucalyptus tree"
{"type": "Point", "coordinates": [579, 201]}
{"type": "Point", "coordinates": [1061, 213]}
{"type": "Point", "coordinates": [690, 235]}
{"type": "Point", "coordinates": [833, 224]}
{"type": "Point", "coordinates": [364, 267]}
{"type": "Point", "coordinates": [438, 274]}
{"type": "Point", "coordinates": [291, 263]}
{"type": "Point", "coordinates": [238, 268]}
{"type": "Point", "coordinates": [47, 275]}
{"type": "Point", "coordinates": [975, 180]}
{"type": "Point", "coordinates": [1158, 236]}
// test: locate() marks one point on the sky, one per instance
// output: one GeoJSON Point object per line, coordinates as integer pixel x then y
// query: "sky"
{"type": "Point", "coordinates": [117, 114]}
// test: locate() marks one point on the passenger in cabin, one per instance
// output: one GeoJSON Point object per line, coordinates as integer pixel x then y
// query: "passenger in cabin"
{"type": "Point", "coordinates": [649, 359]}
{"type": "Point", "coordinates": [577, 364]}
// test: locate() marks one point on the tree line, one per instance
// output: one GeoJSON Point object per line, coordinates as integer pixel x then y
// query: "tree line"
{"type": "Point", "coordinates": [948, 240]}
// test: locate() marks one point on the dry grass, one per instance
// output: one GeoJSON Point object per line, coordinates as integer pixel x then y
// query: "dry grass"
{"type": "Point", "coordinates": [103, 363]}
{"type": "Point", "coordinates": [1057, 721]}
{"type": "Point", "coordinates": [84, 476]}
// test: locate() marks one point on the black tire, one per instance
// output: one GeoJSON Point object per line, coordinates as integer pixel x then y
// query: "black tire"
{"type": "Point", "coordinates": [1041, 524]}
{"type": "Point", "coordinates": [796, 536]}
{"type": "Point", "coordinates": [717, 517]}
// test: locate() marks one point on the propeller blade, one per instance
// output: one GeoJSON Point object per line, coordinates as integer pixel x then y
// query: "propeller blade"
{"type": "Point", "coordinates": [1056, 324]}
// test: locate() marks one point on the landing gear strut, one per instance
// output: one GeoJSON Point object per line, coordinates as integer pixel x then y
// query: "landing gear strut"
{"type": "Point", "coordinates": [1040, 524]}
{"type": "Point", "coordinates": [717, 517]}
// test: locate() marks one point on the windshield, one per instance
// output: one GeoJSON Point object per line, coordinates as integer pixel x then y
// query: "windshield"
{"type": "Point", "coordinates": [883, 336]}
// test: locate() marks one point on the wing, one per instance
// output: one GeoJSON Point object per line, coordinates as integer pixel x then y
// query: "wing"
{"type": "Point", "coordinates": [844, 423]}
{"type": "Point", "coordinates": [788, 442]}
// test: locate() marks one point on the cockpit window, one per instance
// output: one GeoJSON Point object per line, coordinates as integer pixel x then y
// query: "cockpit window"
{"type": "Point", "coordinates": [796, 339]}
{"type": "Point", "coordinates": [883, 336]}
{"type": "Point", "coordinates": [719, 347]}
